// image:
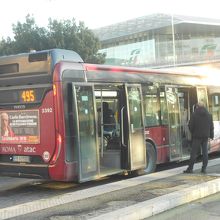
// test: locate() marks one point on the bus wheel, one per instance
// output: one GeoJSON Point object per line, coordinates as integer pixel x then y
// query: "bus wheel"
{"type": "Point", "coordinates": [151, 157]}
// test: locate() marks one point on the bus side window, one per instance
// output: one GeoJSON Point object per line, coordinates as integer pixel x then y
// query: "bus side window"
{"type": "Point", "coordinates": [214, 104]}
{"type": "Point", "coordinates": [152, 107]}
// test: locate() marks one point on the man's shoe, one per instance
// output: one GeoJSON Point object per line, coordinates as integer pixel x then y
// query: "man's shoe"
{"type": "Point", "coordinates": [187, 171]}
{"type": "Point", "coordinates": [203, 171]}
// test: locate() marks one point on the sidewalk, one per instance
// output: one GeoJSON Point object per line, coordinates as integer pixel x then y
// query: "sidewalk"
{"type": "Point", "coordinates": [168, 193]}
{"type": "Point", "coordinates": [164, 202]}
{"type": "Point", "coordinates": [135, 198]}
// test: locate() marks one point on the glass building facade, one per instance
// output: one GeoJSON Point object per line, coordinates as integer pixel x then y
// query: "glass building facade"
{"type": "Point", "coordinates": [160, 40]}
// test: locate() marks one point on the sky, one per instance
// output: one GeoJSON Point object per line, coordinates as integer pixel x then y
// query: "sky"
{"type": "Point", "coordinates": [98, 13]}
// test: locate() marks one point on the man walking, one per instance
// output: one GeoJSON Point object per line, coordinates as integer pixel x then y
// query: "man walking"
{"type": "Point", "coordinates": [202, 128]}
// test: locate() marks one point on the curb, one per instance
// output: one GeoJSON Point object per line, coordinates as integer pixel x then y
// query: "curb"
{"type": "Point", "coordinates": [162, 203]}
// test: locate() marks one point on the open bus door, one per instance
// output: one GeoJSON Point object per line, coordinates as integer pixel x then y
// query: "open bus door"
{"type": "Point", "coordinates": [85, 131]}
{"type": "Point", "coordinates": [132, 128]}
{"type": "Point", "coordinates": [173, 108]}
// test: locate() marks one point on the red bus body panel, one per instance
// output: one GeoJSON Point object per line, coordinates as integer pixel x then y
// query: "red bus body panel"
{"type": "Point", "coordinates": [60, 169]}
{"type": "Point", "coordinates": [160, 137]}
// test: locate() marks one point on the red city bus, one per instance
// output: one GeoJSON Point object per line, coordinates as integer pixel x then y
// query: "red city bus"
{"type": "Point", "coordinates": [64, 120]}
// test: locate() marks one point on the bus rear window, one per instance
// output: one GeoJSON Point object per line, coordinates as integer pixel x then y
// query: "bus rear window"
{"type": "Point", "coordinates": [9, 68]}
{"type": "Point", "coordinates": [37, 57]}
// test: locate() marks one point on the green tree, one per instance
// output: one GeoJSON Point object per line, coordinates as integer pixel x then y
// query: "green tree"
{"type": "Point", "coordinates": [64, 34]}
{"type": "Point", "coordinates": [7, 46]}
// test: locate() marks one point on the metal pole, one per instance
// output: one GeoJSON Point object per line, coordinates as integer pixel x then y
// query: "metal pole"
{"type": "Point", "coordinates": [173, 36]}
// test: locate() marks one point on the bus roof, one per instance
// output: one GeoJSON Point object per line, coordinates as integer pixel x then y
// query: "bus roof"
{"type": "Point", "coordinates": [46, 60]}
{"type": "Point", "coordinates": [170, 71]}
{"type": "Point", "coordinates": [118, 74]}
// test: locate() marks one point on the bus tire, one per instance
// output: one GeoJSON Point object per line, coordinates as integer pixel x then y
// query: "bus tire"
{"type": "Point", "coordinates": [151, 157]}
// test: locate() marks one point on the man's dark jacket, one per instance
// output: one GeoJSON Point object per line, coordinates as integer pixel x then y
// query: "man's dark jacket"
{"type": "Point", "coordinates": [201, 124]}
